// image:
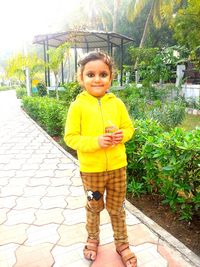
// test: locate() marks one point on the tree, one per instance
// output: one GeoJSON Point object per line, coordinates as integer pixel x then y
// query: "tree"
{"type": "Point", "coordinates": [56, 57]}
{"type": "Point", "coordinates": [16, 66]}
{"type": "Point", "coordinates": [184, 20]}
{"type": "Point", "coordinates": [158, 10]}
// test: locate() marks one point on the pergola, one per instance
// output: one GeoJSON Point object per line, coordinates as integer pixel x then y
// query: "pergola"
{"type": "Point", "coordinates": [87, 40]}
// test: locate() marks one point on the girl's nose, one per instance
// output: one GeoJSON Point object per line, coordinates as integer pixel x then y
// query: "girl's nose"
{"type": "Point", "coordinates": [97, 78]}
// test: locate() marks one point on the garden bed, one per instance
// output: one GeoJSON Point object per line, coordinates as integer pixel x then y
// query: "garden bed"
{"type": "Point", "coordinates": [186, 232]}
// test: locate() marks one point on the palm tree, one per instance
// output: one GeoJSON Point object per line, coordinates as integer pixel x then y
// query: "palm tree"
{"type": "Point", "coordinates": [158, 10]}
{"type": "Point", "coordinates": [96, 14]}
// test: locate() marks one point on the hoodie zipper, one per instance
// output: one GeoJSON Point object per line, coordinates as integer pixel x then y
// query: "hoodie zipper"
{"type": "Point", "coordinates": [106, 158]}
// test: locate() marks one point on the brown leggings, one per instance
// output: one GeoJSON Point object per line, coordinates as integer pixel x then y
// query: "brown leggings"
{"type": "Point", "coordinates": [114, 183]}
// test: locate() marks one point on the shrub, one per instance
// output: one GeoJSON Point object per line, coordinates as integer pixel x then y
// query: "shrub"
{"type": "Point", "coordinates": [166, 163]}
{"type": "Point", "coordinates": [153, 103]}
{"type": "Point", "coordinates": [72, 89]}
{"type": "Point", "coordinates": [48, 112]}
{"type": "Point", "coordinates": [42, 90]}
{"type": "Point", "coordinates": [21, 92]}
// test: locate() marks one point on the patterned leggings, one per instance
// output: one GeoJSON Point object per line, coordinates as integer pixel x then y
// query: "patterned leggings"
{"type": "Point", "coordinates": [114, 183]}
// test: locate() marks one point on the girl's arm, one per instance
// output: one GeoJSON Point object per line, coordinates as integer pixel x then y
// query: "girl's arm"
{"type": "Point", "coordinates": [72, 134]}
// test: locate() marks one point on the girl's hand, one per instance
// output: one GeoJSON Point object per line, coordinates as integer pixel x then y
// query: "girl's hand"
{"type": "Point", "coordinates": [105, 140]}
{"type": "Point", "coordinates": [117, 137]}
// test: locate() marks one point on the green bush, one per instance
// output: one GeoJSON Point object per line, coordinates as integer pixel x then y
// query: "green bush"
{"type": "Point", "coordinates": [42, 89]}
{"type": "Point", "coordinates": [153, 103]}
{"type": "Point", "coordinates": [6, 88]}
{"type": "Point", "coordinates": [48, 112]}
{"type": "Point", "coordinates": [166, 163]}
{"type": "Point", "coordinates": [72, 89]}
{"type": "Point", "coordinates": [21, 92]}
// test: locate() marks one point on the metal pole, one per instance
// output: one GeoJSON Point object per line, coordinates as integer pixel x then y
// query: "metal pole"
{"type": "Point", "coordinates": [122, 61]}
{"type": "Point", "coordinates": [27, 74]}
{"type": "Point", "coordinates": [48, 70]}
{"type": "Point", "coordinates": [75, 51]}
{"type": "Point", "coordinates": [45, 60]}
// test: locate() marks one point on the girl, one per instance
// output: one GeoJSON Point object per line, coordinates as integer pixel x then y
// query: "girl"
{"type": "Point", "coordinates": [97, 127]}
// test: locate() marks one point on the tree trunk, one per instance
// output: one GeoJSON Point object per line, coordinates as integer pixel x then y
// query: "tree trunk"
{"type": "Point", "coordinates": [142, 41]}
{"type": "Point", "coordinates": [56, 82]}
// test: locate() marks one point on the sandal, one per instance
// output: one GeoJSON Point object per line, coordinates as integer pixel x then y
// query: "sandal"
{"type": "Point", "coordinates": [127, 257]}
{"type": "Point", "coordinates": [91, 246]}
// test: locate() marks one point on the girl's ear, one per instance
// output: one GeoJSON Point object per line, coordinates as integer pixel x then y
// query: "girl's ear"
{"type": "Point", "coordinates": [80, 78]}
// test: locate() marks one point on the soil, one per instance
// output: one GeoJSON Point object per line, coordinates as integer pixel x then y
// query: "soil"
{"type": "Point", "coordinates": [186, 232]}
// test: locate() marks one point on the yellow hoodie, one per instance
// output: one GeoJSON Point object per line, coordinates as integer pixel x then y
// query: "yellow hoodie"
{"type": "Point", "coordinates": [86, 121]}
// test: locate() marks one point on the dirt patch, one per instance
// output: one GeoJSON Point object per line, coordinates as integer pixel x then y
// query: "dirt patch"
{"type": "Point", "coordinates": [186, 232]}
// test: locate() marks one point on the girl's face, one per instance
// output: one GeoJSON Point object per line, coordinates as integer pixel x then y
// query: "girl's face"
{"type": "Point", "coordinates": [96, 78]}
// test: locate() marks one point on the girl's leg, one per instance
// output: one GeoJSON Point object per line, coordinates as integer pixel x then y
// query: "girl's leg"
{"type": "Point", "coordinates": [115, 198]}
{"type": "Point", "coordinates": [94, 188]}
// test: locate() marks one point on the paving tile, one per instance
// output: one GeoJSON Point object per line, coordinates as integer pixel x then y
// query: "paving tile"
{"type": "Point", "coordinates": [64, 159]}
{"type": "Point", "coordinates": [3, 215]}
{"type": "Point", "coordinates": [60, 181]}
{"type": "Point", "coordinates": [28, 202]}
{"type": "Point", "coordinates": [53, 215]}
{"type": "Point", "coordinates": [174, 258]}
{"type": "Point", "coordinates": [147, 254]}
{"type": "Point", "coordinates": [64, 173]}
{"type": "Point", "coordinates": [19, 181]}
{"type": "Point", "coordinates": [76, 181]}
{"type": "Point", "coordinates": [44, 173]}
{"type": "Point", "coordinates": [13, 234]}
{"type": "Point", "coordinates": [53, 202]}
{"type": "Point", "coordinates": [58, 191]}
{"type": "Point", "coordinates": [70, 256]}
{"type": "Point", "coordinates": [74, 216]}
{"type": "Point", "coordinates": [76, 202]}
{"type": "Point", "coordinates": [4, 181]}
{"type": "Point", "coordinates": [131, 219]}
{"type": "Point", "coordinates": [72, 234]}
{"type": "Point", "coordinates": [7, 173]}
{"type": "Point", "coordinates": [8, 202]}
{"type": "Point", "coordinates": [76, 191]}
{"type": "Point", "coordinates": [39, 190]}
{"type": "Point", "coordinates": [104, 217]}
{"type": "Point", "coordinates": [34, 256]}
{"type": "Point", "coordinates": [139, 234]}
{"type": "Point", "coordinates": [25, 173]}
{"type": "Point", "coordinates": [20, 216]}
{"type": "Point", "coordinates": [12, 190]}
{"type": "Point", "coordinates": [7, 255]}
{"type": "Point", "coordinates": [106, 234]}
{"type": "Point", "coordinates": [39, 181]}
{"type": "Point", "coordinates": [42, 234]}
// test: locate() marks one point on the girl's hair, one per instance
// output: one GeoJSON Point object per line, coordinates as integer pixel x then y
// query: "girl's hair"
{"type": "Point", "coordinates": [94, 55]}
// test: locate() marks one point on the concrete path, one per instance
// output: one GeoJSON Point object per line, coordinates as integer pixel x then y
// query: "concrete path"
{"type": "Point", "coordinates": [42, 214]}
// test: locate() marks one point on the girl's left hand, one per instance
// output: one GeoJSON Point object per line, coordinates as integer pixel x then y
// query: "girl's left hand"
{"type": "Point", "coordinates": [117, 137]}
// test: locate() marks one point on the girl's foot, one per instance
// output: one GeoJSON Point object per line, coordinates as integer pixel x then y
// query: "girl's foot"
{"type": "Point", "coordinates": [90, 249]}
{"type": "Point", "coordinates": [129, 259]}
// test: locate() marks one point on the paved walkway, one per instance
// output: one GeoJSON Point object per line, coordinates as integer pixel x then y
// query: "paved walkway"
{"type": "Point", "coordinates": [42, 202]}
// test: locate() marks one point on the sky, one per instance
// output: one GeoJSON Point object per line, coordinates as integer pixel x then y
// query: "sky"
{"type": "Point", "coordinates": [21, 20]}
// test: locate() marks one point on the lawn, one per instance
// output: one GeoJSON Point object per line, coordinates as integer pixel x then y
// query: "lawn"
{"type": "Point", "coordinates": [190, 122]}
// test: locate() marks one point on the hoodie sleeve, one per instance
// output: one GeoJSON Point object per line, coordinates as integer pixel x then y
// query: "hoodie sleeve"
{"type": "Point", "coordinates": [73, 137]}
{"type": "Point", "coordinates": [126, 124]}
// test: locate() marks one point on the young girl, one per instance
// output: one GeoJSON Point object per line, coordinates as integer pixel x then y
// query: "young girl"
{"type": "Point", "coordinates": [97, 127]}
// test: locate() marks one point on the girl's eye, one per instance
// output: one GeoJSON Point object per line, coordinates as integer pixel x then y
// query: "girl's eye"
{"type": "Point", "coordinates": [90, 75]}
{"type": "Point", "coordinates": [104, 74]}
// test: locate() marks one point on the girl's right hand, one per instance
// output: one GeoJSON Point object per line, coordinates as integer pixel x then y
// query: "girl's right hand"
{"type": "Point", "coordinates": [105, 140]}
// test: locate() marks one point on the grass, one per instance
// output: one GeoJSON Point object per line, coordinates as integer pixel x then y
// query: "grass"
{"type": "Point", "coordinates": [190, 122]}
